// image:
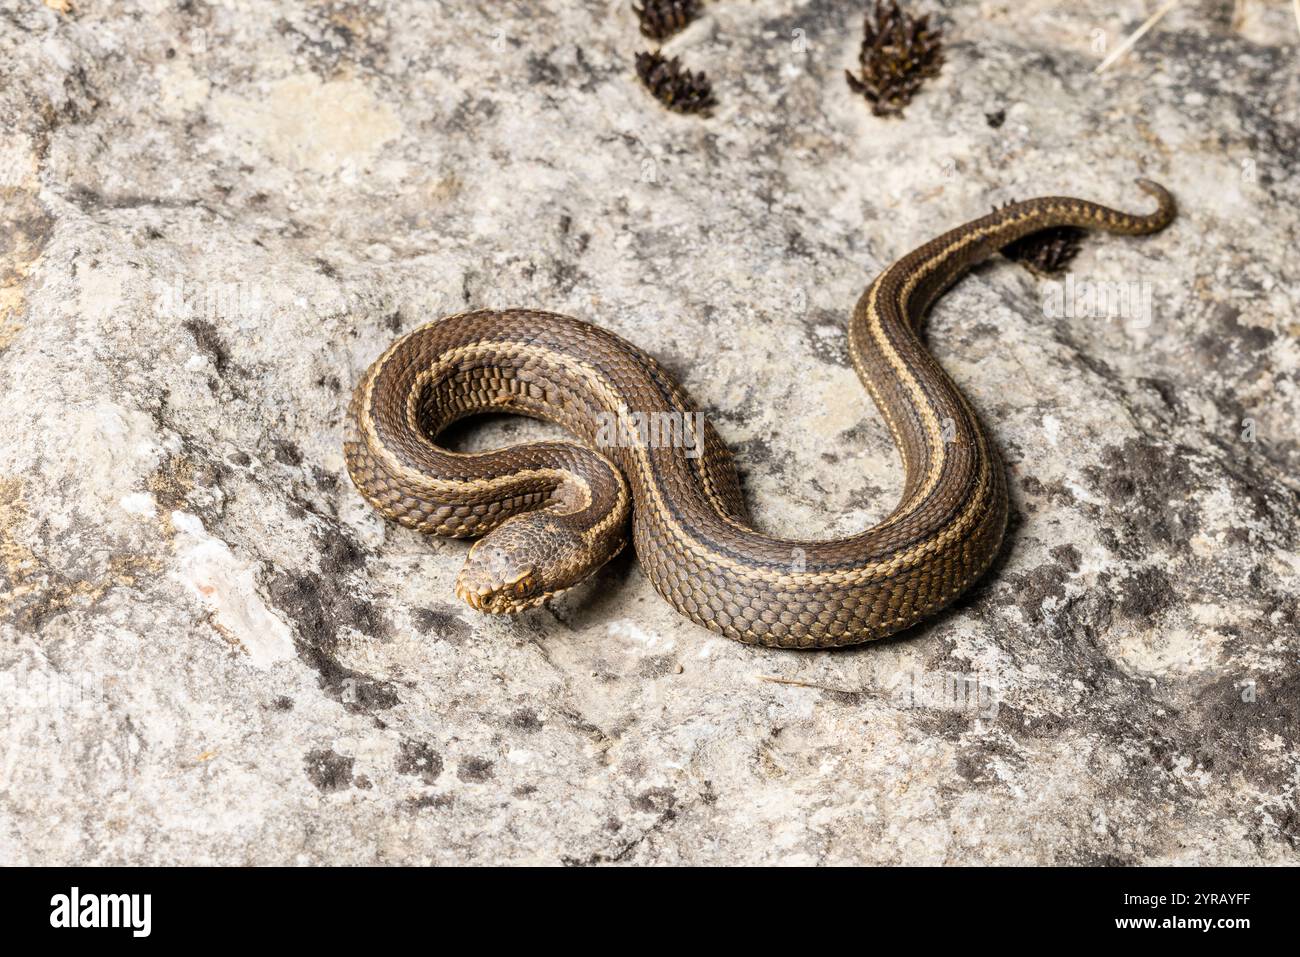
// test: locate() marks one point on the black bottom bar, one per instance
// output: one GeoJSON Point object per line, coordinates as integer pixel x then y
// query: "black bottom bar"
{"type": "Point", "coordinates": [340, 907]}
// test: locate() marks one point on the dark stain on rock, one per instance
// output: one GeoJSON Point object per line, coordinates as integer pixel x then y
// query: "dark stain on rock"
{"type": "Point", "coordinates": [354, 690]}
{"type": "Point", "coordinates": [796, 244]}
{"type": "Point", "coordinates": [542, 72]}
{"type": "Point", "coordinates": [950, 723]}
{"type": "Point", "coordinates": [757, 451]}
{"type": "Point", "coordinates": [1251, 338]}
{"type": "Point", "coordinates": [826, 337]}
{"type": "Point", "coordinates": [336, 38]}
{"type": "Point", "coordinates": [25, 230]}
{"type": "Point", "coordinates": [660, 801]}
{"type": "Point", "coordinates": [526, 720]}
{"type": "Point", "coordinates": [475, 770]}
{"type": "Point", "coordinates": [339, 553]}
{"type": "Point", "coordinates": [658, 666]}
{"type": "Point", "coordinates": [1153, 753]}
{"type": "Point", "coordinates": [1165, 390]}
{"type": "Point", "coordinates": [442, 622]}
{"type": "Point", "coordinates": [1146, 593]}
{"type": "Point", "coordinates": [440, 802]}
{"type": "Point", "coordinates": [1234, 719]}
{"type": "Point", "coordinates": [1091, 857]}
{"type": "Point", "coordinates": [1031, 589]}
{"type": "Point", "coordinates": [326, 481]}
{"type": "Point", "coordinates": [978, 761]}
{"type": "Point", "coordinates": [418, 759]}
{"type": "Point", "coordinates": [1288, 825]}
{"type": "Point", "coordinates": [1068, 556]}
{"type": "Point", "coordinates": [1041, 726]}
{"type": "Point", "coordinates": [1150, 488]}
{"type": "Point", "coordinates": [286, 452]}
{"type": "Point", "coordinates": [319, 606]}
{"type": "Point", "coordinates": [1057, 494]}
{"type": "Point", "coordinates": [328, 770]}
{"type": "Point", "coordinates": [209, 342]}
{"type": "Point", "coordinates": [565, 276]}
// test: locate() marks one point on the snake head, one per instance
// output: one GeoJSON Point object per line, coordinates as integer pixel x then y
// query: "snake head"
{"type": "Point", "coordinates": [520, 565]}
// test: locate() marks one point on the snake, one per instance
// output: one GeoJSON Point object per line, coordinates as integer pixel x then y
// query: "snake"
{"type": "Point", "coordinates": [548, 514]}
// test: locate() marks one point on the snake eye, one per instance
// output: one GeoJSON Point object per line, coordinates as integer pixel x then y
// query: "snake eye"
{"type": "Point", "coordinates": [521, 588]}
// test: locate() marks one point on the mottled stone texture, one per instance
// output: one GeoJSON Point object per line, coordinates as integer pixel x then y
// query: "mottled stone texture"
{"type": "Point", "coordinates": [217, 213]}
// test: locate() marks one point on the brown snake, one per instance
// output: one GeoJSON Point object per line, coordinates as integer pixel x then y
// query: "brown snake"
{"type": "Point", "coordinates": [557, 511]}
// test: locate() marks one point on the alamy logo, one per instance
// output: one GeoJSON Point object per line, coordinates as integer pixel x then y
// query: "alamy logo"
{"type": "Point", "coordinates": [651, 430]}
{"type": "Point", "coordinates": [102, 910]}
{"type": "Point", "coordinates": [1132, 301]}
{"type": "Point", "coordinates": [945, 692]}
{"type": "Point", "coordinates": [181, 298]}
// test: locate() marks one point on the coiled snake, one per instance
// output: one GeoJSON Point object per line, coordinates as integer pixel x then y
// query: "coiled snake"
{"type": "Point", "coordinates": [554, 512]}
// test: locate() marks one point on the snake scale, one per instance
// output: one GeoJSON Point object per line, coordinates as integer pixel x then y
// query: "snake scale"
{"type": "Point", "coordinates": [553, 512]}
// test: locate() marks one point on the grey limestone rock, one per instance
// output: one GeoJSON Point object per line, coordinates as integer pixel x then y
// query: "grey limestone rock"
{"type": "Point", "coordinates": [216, 215]}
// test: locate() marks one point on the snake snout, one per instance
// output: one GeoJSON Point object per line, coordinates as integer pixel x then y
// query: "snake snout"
{"type": "Point", "coordinates": [523, 562]}
{"type": "Point", "coordinates": [494, 581]}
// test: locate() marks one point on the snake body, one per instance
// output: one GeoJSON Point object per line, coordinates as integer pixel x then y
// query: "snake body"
{"type": "Point", "coordinates": [554, 512]}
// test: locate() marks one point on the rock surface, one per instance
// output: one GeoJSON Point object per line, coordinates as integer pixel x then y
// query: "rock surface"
{"type": "Point", "coordinates": [216, 215]}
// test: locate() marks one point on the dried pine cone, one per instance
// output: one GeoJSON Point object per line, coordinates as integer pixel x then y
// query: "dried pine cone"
{"type": "Point", "coordinates": [898, 53]}
{"type": "Point", "coordinates": [676, 88]}
{"type": "Point", "coordinates": [660, 19]}
{"type": "Point", "coordinates": [1047, 251]}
